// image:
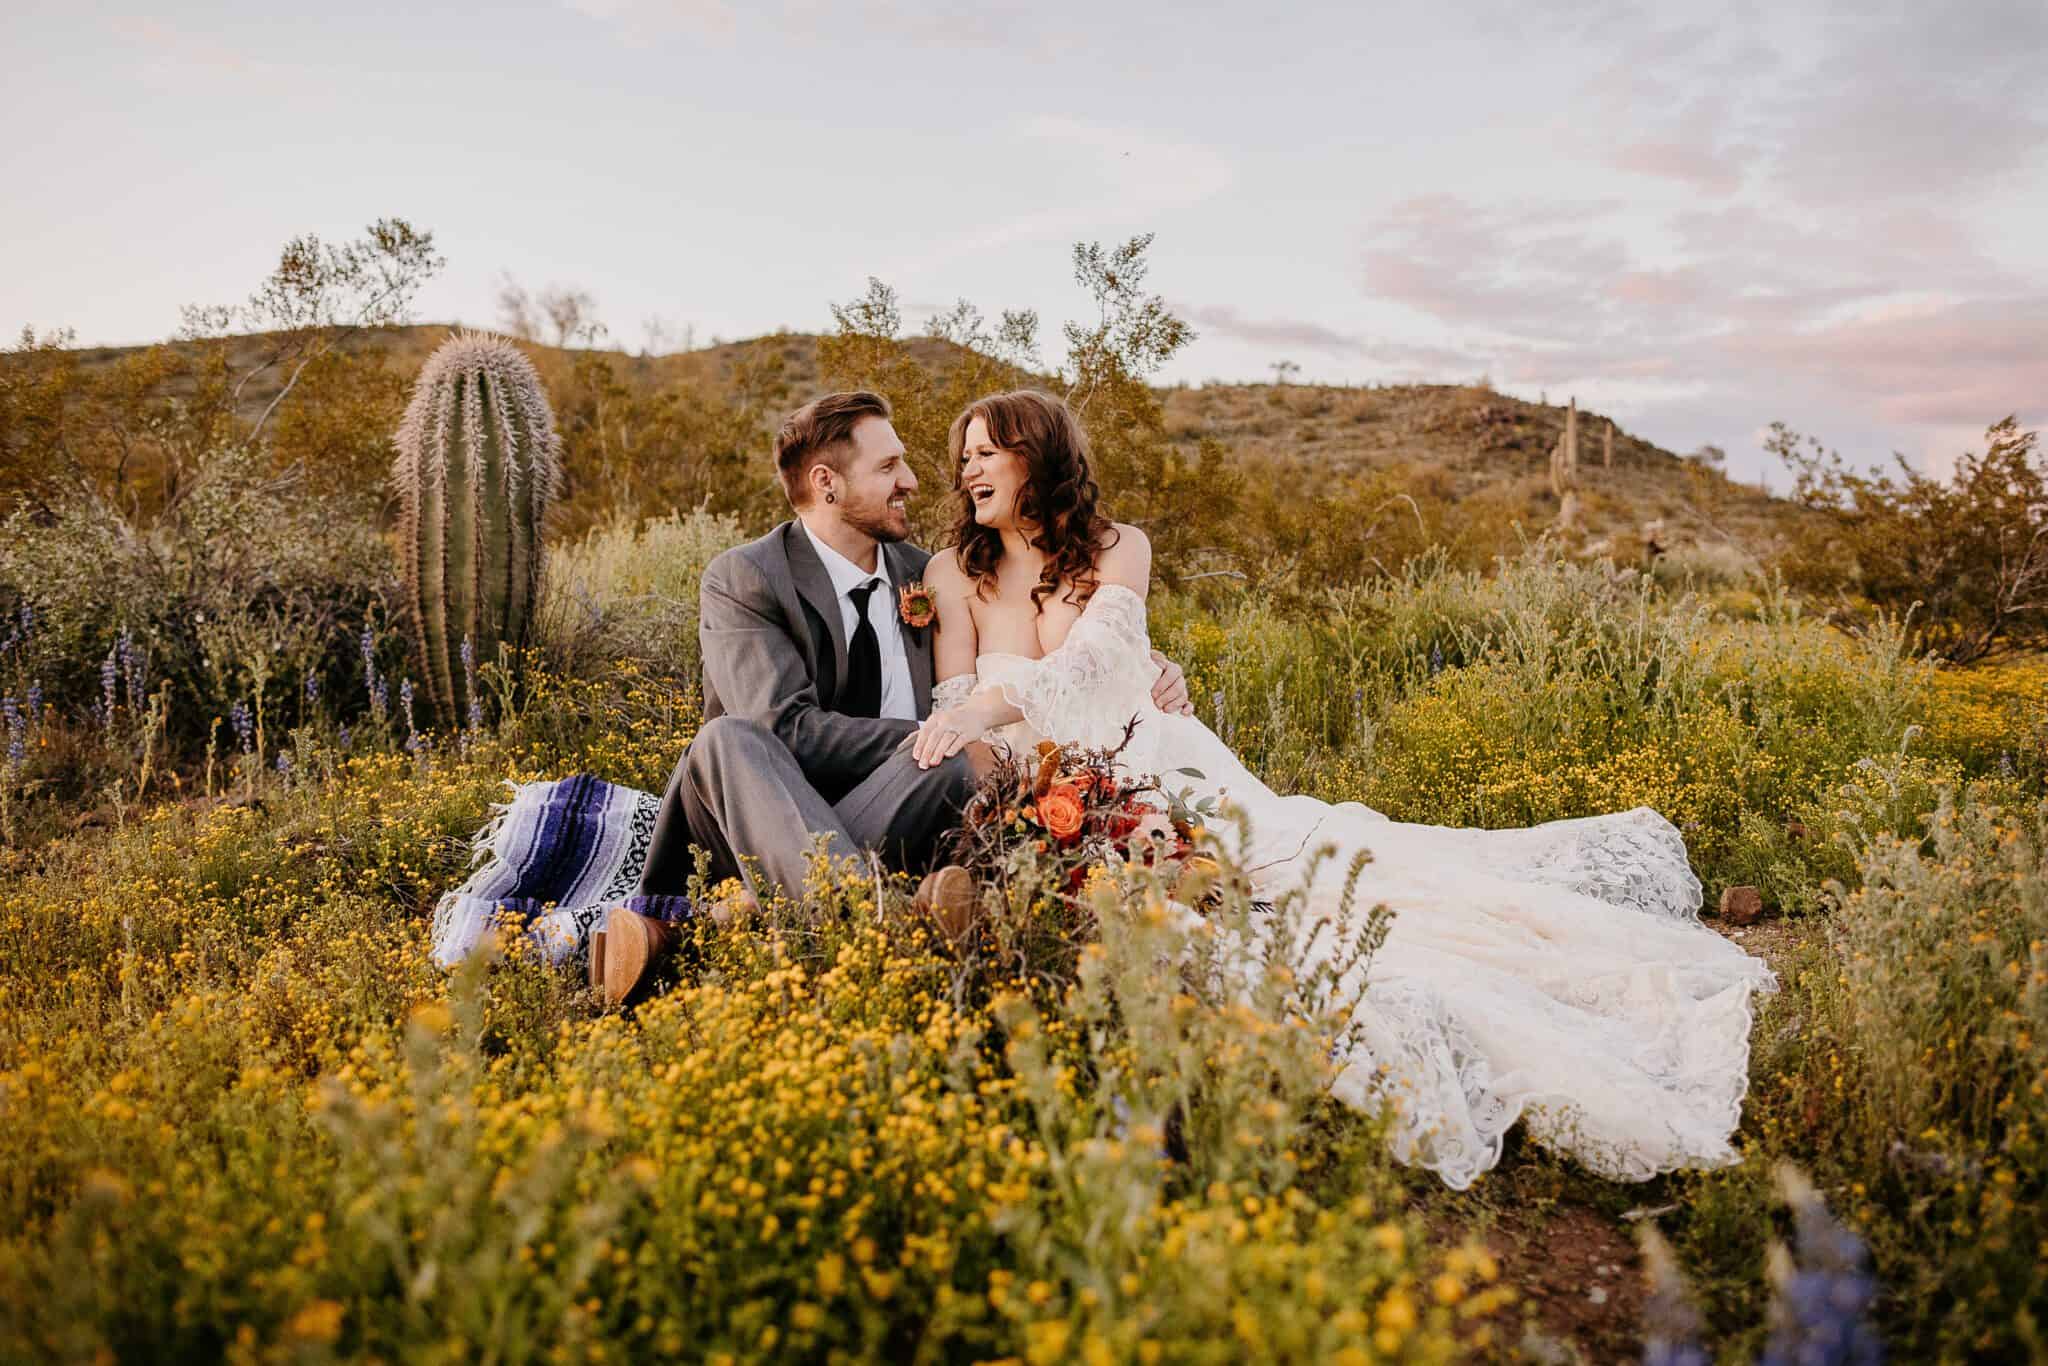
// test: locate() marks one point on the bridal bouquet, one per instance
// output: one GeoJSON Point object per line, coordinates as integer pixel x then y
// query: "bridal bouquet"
{"type": "Point", "coordinates": [1064, 811]}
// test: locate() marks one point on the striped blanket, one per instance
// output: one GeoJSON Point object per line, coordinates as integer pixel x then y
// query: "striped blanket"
{"type": "Point", "coordinates": [553, 860]}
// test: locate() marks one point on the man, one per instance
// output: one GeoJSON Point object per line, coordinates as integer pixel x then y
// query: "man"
{"type": "Point", "coordinates": [813, 688]}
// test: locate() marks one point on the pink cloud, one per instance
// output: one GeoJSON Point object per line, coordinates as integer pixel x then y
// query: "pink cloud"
{"type": "Point", "coordinates": [1690, 164]}
{"type": "Point", "coordinates": [1952, 364]}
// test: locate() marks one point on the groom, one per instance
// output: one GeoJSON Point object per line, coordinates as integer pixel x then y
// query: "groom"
{"type": "Point", "coordinates": [813, 685]}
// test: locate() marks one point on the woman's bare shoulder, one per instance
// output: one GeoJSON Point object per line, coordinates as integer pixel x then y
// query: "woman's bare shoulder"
{"type": "Point", "coordinates": [1125, 558]}
{"type": "Point", "coordinates": [943, 569]}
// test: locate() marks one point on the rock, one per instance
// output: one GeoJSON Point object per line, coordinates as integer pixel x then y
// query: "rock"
{"type": "Point", "coordinates": [1742, 905]}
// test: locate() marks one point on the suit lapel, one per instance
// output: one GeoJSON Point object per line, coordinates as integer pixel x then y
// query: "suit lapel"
{"type": "Point", "coordinates": [905, 569]}
{"type": "Point", "coordinates": [814, 586]}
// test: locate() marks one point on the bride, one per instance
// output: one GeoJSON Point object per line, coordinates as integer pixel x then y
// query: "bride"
{"type": "Point", "coordinates": [1556, 974]}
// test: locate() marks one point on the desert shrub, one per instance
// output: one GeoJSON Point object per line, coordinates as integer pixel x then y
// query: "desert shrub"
{"type": "Point", "coordinates": [1911, 1074]}
{"type": "Point", "coordinates": [135, 432]}
{"type": "Point", "coordinates": [1553, 688]}
{"type": "Point", "coordinates": [633, 448]}
{"type": "Point", "coordinates": [250, 593]}
{"type": "Point", "coordinates": [623, 593]}
{"type": "Point", "coordinates": [1970, 550]}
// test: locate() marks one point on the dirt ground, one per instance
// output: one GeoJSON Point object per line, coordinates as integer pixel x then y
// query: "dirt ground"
{"type": "Point", "coordinates": [1567, 1243]}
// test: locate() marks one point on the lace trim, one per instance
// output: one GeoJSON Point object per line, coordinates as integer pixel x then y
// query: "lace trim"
{"type": "Point", "coordinates": [948, 693]}
{"type": "Point", "coordinates": [1101, 675]}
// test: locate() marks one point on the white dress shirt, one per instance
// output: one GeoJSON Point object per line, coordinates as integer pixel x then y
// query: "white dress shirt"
{"type": "Point", "coordinates": [898, 699]}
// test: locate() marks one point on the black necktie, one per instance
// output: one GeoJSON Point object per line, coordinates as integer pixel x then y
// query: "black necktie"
{"type": "Point", "coordinates": [862, 695]}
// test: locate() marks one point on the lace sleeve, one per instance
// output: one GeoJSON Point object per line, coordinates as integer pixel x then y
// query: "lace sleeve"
{"type": "Point", "coordinates": [1100, 676]}
{"type": "Point", "coordinates": [951, 692]}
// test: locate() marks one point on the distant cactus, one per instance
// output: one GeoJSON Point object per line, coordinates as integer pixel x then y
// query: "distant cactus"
{"type": "Point", "coordinates": [1607, 446]}
{"type": "Point", "coordinates": [478, 463]}
{"type": "Point", "coordinates": [1564, 468]}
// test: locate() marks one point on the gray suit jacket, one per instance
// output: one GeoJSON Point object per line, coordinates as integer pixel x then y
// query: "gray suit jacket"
{"type": "Point", "coordinates": [775, 652]}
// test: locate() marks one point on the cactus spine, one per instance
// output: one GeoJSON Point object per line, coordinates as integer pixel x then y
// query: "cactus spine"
{"type": "Point", "coordinates": [478, 463]}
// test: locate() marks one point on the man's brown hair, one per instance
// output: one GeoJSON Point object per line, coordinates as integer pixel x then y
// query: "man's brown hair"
{"type": "Point", "coordinates": [821, 432]}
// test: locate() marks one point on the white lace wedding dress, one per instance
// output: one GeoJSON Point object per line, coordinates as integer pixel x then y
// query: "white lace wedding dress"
{"type": "Point", "coordinates": [1556, 974]}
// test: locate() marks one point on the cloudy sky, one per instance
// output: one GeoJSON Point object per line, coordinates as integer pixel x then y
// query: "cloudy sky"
{"type": "Point", "coordinates": [1698, 217]}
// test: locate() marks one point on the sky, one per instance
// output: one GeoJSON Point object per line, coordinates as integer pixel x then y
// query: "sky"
{"type": "Point", "coordinates": [1698, 218]}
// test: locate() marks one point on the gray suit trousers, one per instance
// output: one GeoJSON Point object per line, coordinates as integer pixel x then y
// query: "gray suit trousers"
{"type": "Point", "coordinates": [739, 793]}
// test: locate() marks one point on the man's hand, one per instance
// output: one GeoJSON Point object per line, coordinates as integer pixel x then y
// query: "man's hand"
{"type": "Point", "coordinates": [1170, 689]}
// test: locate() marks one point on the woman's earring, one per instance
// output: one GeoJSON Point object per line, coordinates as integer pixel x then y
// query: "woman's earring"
{"type": "Point", "coordinates": [831, 497]}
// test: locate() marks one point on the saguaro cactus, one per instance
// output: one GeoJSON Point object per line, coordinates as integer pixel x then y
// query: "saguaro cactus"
{"type": "Point", "coordinates": [1607, 446]}
{"type": "Point", "coordinates": [478, 463]}
{"type": "Point", "coordinates": [1564, 468]}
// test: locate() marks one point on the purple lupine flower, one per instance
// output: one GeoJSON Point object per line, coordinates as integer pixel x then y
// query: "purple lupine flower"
{"type": "Point", "coordinates": [378, 687]}
{"type": "Point", "coordinates": [312, 687]}
{"type": "Point", "coordinates": [476, 706]}
{"type": "Point", "coordinates": [1820, 1314]}
{"type": "Point", "coordinates": [17, 732]}
{"type": "Point", "coordinates": [1671, 1326]}
{"type": "Point", "coordinates": [134, 667]}
{"type": "Point", "coordinates": [110, 668]}
{"type": "Point", "coordinates": [244, 722]}
{"type": "Point", "coordinates": [412, 735]}
{"type": "Point", "coordinates": [284, 763]}
{"type": "Point", "coordinates": [28, 620]}
{"type": "Point", "coordinates": [35, 703]}
{"type": "Point", "coordinates": [342, 738]}
{"type": "Point", "coordinates": [1436, 659]}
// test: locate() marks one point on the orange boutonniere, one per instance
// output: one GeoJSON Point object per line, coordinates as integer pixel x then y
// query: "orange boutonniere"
{"type": "Point", "coordinates": [915, 605]}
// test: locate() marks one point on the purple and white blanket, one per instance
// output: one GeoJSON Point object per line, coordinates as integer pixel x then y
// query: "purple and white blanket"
{"type": "Point", "coordinates": [557, 857]}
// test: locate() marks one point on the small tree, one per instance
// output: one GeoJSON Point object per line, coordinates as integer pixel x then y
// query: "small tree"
{"type": "Point", "coordinates": [134, 433]}
{"type": "Point", "coordinates": [1971, 550]}
{"type": "Point", "coordinates": [961, 359]}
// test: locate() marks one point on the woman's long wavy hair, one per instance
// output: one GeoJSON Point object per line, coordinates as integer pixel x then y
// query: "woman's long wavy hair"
{"type": "Point", "coordinates": [1058, 498]}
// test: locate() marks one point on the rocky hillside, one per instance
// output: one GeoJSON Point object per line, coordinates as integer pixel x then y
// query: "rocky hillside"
{"type": "Point", "coordinates": [1457, 442]}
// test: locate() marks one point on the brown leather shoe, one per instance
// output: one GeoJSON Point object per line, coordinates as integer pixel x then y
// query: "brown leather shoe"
{"type": "Point", "coordinates": [632, 944]}
{"type": "Point", "coordinates": [948, 896]}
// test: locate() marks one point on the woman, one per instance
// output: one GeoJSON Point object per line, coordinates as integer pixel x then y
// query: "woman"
{"type": "Point", "coordinates": [1556, 974]}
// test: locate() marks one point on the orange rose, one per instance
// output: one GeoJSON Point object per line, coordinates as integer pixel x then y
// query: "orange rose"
{"type": "Point", "coordinates": [1062, 812]}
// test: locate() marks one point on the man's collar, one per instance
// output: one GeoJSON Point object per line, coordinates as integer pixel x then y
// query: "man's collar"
{"type": "Point", "coordinates": [844, 573]}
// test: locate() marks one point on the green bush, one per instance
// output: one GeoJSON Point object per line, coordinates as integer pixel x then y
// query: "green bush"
{"type": "Point", "coordinates": [238, 596]}
{"type": "Point", "coordinates": [1909, 1069]}
{"type": "Point", "coordinates": [626, 593]}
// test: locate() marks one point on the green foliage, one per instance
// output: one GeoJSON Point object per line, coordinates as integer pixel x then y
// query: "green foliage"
{"type": "Point", "coordinates": [257, 1122]}
{"type": "Point", "coordinates": [633, 447]}
{"type": "Point", "coordinates": [134, 434]}
{"type": "Point", "coordinates": [478, 466]}
{"type": "Point", "coordinates": [1970, 551]}
{"type": "Point", "coordinates": [622, 593]}
{"type": "Point", "coordinates": [249, 586]}
{"type": "Point", "coordinates": [1910, 1075]}
{"type": "Point", "coordinates": [868, 351]}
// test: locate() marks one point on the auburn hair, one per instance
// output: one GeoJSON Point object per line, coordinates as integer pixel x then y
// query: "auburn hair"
{"type": "Point", "coordinates": [1058, 498]}
{"type": "Point", "coordinates": [820, 432]}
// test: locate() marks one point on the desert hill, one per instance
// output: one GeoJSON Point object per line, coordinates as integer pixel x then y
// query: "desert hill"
{"type": "Point", "coordinates": [1457, 442]}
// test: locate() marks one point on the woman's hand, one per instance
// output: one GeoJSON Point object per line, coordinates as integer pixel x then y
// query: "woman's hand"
{"type": "Point", "coordinates": [944, 733]}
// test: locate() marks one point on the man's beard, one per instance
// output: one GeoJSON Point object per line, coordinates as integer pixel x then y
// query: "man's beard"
{"type": "Point", "coordinates": [881, 522]}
